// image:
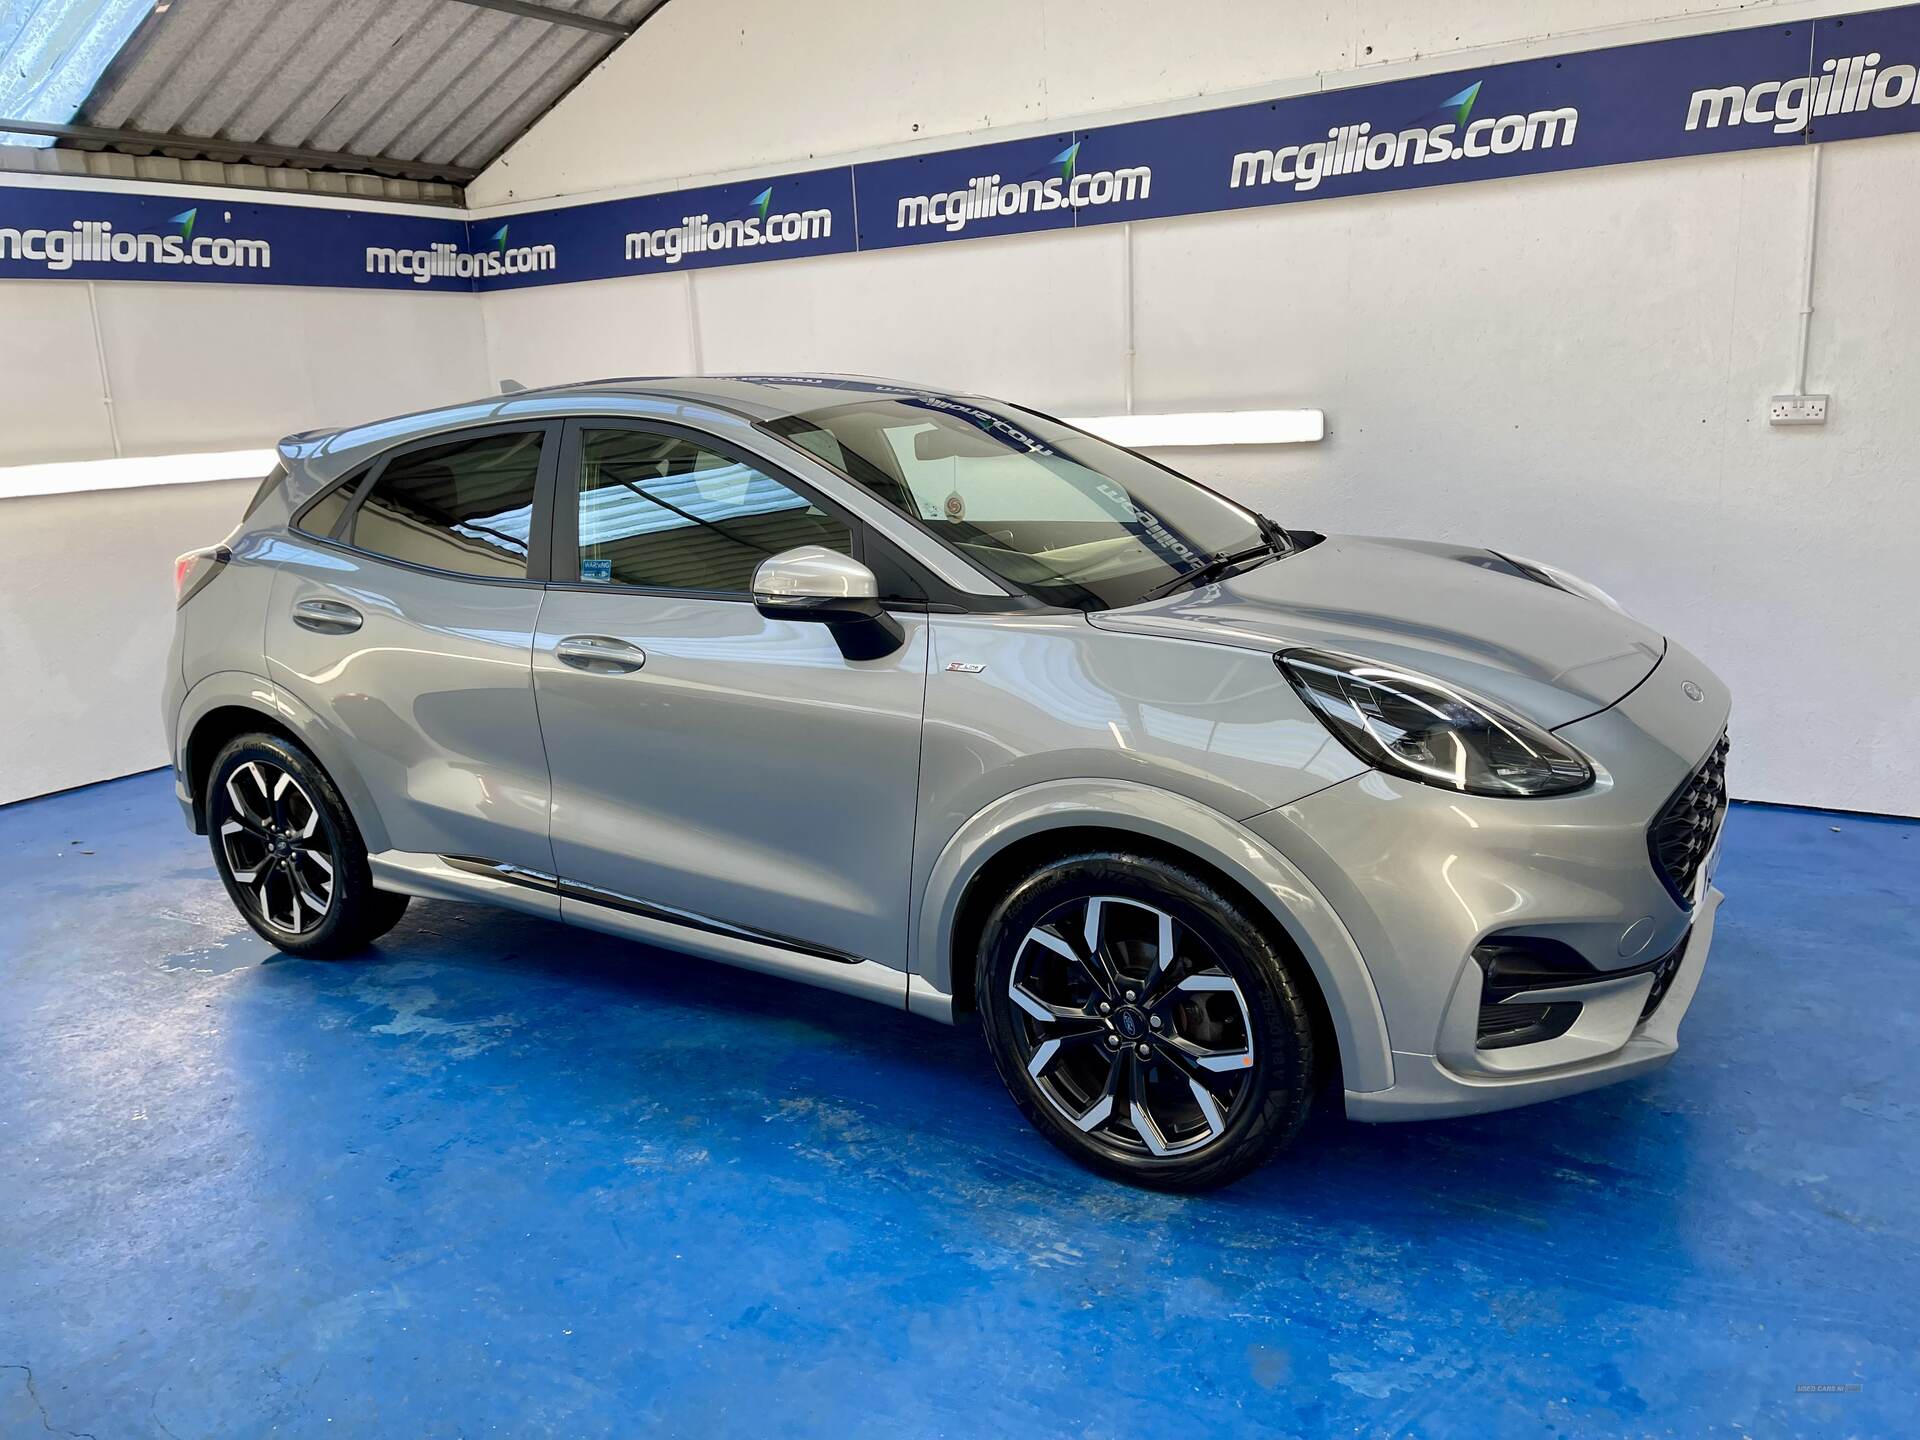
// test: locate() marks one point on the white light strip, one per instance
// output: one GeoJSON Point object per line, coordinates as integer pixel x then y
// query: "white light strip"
{"type": "Point", "coordinates": [73, 477]}
{"type": "Point", "coordinates": [1138, 432]}
{"type": "Point", "coordinates": [1223, 427]}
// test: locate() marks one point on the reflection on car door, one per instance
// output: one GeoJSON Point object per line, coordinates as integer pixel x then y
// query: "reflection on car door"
{"type": "Point", "coordinates": [711, 765]}
{"type": "Point", "coordinates": [403, 617]}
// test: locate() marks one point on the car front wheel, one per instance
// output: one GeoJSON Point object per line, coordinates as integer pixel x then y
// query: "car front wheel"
{"type": "Point", "coordinates": [1143, 1022]}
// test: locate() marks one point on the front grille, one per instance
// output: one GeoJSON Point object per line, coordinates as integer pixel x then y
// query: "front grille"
{"type": "Point", "coordinates": [1683, 832]}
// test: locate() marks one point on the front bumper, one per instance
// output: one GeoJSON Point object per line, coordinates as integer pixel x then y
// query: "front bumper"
{"type": "Point", "coordinates": [1433, 885]}
{"type": "Point", "coordinates": [1426, 1087]}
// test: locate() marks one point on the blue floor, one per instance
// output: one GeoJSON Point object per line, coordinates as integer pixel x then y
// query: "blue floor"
{"type": "Point", "coordinates": [499, 1177]}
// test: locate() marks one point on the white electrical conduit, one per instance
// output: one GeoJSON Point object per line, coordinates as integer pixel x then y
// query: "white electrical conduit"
{"type": "Point", "coordinates": [1806, 274]}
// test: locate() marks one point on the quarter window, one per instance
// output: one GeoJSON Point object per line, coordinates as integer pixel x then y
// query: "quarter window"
{"type": "Point", "coordinates": [323, 516]}
{"type": "Point", "coordinates": [465, 506]}
{"type": "Point", "coordinates": [665, 512]}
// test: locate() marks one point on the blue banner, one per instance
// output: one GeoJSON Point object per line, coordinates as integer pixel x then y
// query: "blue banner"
{"type": "Point", "coordinates": [1493, 122]}
{"type": "Point", "coordinates": [1784, 84]}
{"type": "Point", "coordinates": [784, 217]}
{"type": "Point", "coordinates": [1864, 69]}
{"type": "Point", "coordinates": [1788, 83]}
{"type": "Point", "coordinates": [952, 194]}
{"type": "Point", "coordinates": [61, 234]}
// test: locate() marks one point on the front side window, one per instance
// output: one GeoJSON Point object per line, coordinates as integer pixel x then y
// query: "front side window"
{"type": "Point", "coordinates": [665, 512]}
{"type": "Point", "coordinates": [464, 506]}
{"type": "Point", "coordinates": [1064, 516]}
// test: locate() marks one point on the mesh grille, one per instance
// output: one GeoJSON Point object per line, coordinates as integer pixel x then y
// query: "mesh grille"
{"type": "Point", "coordinates": [1503, 1026]}
{"type": "Point", "coordinates": [1683, 832]}
{"type": "Point", "coordinates": [1664, 972]}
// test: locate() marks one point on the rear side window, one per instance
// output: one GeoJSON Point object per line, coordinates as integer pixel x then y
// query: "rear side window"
{"type": "Point", "coordinates": [322, 517]}
{"type": "Point", "coordinates": [665, 512]}
{"type": "Point", "coordinates": [465, 506]}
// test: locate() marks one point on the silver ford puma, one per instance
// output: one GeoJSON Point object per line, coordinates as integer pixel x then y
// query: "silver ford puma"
{"type": "Point", "coordinates": [936, 701]}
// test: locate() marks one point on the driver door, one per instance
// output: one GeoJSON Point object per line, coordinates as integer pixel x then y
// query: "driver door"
{"type": "Point", "coordinates": [715, 768]}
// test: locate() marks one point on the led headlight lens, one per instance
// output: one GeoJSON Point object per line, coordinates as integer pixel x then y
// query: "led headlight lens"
{"type": "Point", "coordinates": [1560, 580]}
{"type": "Point", "coordinates": [1416, 726]}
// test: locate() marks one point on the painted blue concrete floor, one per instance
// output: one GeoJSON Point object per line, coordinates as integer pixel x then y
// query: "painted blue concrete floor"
{"type": "Point", "coordinates": [503, 1178]}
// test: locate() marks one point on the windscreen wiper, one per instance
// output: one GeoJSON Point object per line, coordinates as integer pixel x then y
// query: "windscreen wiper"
{"type": "Point", "coordinates": [1214, 566]}
{"type": "Point", "coordinates": [1275, 535]}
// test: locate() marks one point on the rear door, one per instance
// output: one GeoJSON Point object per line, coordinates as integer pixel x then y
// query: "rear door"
{"type": "Point", "coordinates": [403, 617]}
{"type": "Point", "coordinates": [712, 766]}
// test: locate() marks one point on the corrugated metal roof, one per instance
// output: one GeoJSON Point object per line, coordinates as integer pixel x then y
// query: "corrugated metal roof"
{"type": "Point", "coordinates": [428, 89]}
{"type": "Point", "coordinates": [52, 52]}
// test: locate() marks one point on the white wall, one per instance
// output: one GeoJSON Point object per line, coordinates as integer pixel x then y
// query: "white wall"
{"type": "Point", "coordinates": [1571, 366]}
{"type": "Point", "coordinates": [86, 612]}
{"type": "Point", "coordinates": [86, 581]}
{"type": "Point", "coordinates": [218, 367]}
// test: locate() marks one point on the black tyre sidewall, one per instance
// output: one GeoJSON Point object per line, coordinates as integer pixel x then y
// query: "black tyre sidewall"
{"type": "Point", "coordinates": [359, 912]}
{"type": "Point", "coordinates": [1284, 1060]}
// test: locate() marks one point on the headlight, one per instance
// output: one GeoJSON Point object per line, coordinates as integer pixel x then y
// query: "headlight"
{"type": "Point", "coordinates": [1561, 580]}
{"type": "Point", "coordinates": [1413, 725]}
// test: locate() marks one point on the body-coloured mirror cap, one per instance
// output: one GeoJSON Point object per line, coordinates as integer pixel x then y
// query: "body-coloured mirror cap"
{"type": "Point", "coordinates": [805, 577]}
{"type": "Point", "coordinates": [815, 583]}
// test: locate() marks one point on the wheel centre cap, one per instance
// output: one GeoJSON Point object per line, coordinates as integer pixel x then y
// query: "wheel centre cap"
{"type": "Point", "coordinates": [1130, 1022]}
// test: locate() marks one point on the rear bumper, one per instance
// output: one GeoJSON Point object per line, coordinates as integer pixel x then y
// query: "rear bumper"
{"type": "Point", "coordinates": [1425, 1088]}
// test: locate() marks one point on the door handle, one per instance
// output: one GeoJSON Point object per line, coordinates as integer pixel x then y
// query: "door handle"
{"type": "Point", "coordinates": [600, 655]}
{"type": "Point", "coordinates": [327, 617]}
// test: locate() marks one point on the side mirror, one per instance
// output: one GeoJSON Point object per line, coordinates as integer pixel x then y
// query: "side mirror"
{"type": "Point", "coordinates": [815, 583]}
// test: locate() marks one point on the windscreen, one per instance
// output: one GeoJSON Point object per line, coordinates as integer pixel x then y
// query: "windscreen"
{"type": "Point", "coordinates": [1049, 509]}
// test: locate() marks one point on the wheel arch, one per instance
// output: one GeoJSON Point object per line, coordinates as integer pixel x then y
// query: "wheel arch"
{"type": "Point", "coordinates": [230, 704]}
{"type": "Point", "coordinates": [1021, 831]}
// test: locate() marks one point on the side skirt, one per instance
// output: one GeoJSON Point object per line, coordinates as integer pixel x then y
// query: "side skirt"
{"type": "Point", "coordinates": [459, 877]}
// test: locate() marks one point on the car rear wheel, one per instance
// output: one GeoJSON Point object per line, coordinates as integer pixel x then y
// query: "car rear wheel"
{"type": "Point", "coordinates": [289, 853]}
{"type": "Point", "coordinates": [1144, 1023]}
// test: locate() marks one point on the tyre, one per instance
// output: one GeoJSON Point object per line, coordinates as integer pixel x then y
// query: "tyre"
{"type": "Point", "coordinates": [289, 852]}
{"type": "Point", "coordinates": [1144, 1023]}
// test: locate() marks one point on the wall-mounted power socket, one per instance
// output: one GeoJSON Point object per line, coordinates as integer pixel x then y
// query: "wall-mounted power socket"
{"type": "Point", "coordinates": [1797, 410]}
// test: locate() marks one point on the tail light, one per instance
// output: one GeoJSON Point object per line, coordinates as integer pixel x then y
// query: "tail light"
{"type": "Point", "coordinates": [194, 569]}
